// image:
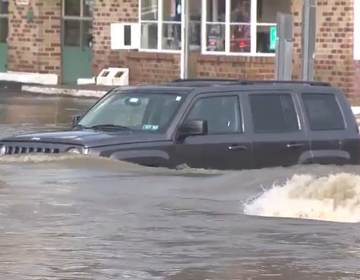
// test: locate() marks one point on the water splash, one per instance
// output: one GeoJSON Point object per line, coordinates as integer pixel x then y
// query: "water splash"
{"type": "Point", "coordinates": [39, 158]}
{"type": "Point", "coordinates": [332, 198]}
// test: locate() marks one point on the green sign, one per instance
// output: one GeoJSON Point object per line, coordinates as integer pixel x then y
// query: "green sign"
{"type": "Point", "coordinates": [273, 35]}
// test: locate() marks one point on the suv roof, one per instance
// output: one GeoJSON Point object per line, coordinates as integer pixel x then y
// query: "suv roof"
{"type": "Point", "coordinates": [197, 86]}
{"type": "Point", "coordinates": [225, 82]}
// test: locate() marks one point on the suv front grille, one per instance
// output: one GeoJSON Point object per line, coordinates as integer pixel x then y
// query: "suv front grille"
{"type": "Point", "coordinates": [27, 149]}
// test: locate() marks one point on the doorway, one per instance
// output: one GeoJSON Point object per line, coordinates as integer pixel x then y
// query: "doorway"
{"type": "Point", "coordinates": [4, 31]}
{"type": "Point", "coordinates": [77, 40]}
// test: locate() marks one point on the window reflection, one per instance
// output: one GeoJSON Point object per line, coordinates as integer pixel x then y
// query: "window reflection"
{"type": "Point", "coordinates": [72, 33]}
{"type": "Point", "coordinates": [149, 9]}
{"type": "Point", "coordinates": [3, 30]}
{"type": "Point", "coordinates": [171, 36]}
{"type": "Point", "coordinates": [4, 6]}
{"type": "Point", "coordinates": [267, 9]}
{"type": "Point", "coordinates": [240, 11]}
{"type": "Point", "coordinates": [172, 10]}
{"type": "Point", "coordinates": [149, 35]}
{"type": "Point", "coordinates": [216, 10]}
{"type": "Point", "coordinates": [88, 8]}
{"type": "Point", "coordinates": [72, 8]}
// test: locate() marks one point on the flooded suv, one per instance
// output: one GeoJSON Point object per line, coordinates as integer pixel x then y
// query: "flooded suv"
{"type": "Point", "coordinates": [210, 124]}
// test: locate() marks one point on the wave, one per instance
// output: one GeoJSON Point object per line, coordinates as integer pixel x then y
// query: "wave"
{"type": "Point", "coordinates": [331, 198]}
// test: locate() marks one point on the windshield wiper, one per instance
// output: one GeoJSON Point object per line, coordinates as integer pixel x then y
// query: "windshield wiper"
{"type": "Point", "coordinates": [109, 127]}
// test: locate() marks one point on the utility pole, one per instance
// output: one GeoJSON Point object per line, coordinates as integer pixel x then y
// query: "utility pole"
{"type": "Point", "coordinates": [284, 46]}
{"type": "Point", "coordinates": [308, 40]}
{"type": "Point", "coordinates": [185, 51]}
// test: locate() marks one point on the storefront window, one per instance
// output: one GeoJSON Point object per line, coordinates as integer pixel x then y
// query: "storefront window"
{"type": "Point", "coordinates": [195, 24]}
{"type": "Point", "coordinates": [149, 35]}
{"type": "Point", "coordinates": [242, 26]}
{"type": "Point", "coordinates": [161, 24]}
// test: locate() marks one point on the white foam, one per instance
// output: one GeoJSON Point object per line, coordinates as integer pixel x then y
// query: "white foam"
{"type": "Point", "coordinates": [332, 198]}
{"type": "Point", "coordinates": [39, 158]}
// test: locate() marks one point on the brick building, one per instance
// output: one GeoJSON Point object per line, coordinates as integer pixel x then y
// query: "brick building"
{"type": "Point", "coordinates": [228, 39]}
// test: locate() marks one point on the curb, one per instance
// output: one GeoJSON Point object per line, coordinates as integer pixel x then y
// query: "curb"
{"type": "Point", "coordinates": [63, 91]}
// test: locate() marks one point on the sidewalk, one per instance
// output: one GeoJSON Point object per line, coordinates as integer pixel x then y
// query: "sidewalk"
{"type": "Point", "coordinates": [93, 91]}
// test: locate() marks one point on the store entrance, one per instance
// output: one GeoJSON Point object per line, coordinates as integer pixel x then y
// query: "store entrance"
{"type": "Point", "coordinates": [4, 30]}
{"type": "Point", "coordinates": [77, 40]}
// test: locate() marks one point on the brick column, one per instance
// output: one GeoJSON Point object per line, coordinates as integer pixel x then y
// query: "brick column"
{"type": "Point", "coordinates": [35, 37]}
{"type": "Point", "coordinates": [334, 43]}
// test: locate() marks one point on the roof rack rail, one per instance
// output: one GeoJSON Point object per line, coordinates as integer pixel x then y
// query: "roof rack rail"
{"type": "Point", "coordinates": [203, 80]}
{"type": "Point", "coordinates": [310, 83]}
{"type": "Point", "coordinates": [251, 82]}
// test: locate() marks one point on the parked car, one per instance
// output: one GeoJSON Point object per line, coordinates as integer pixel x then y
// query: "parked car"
{"type": "Point", "coordinates": [210, 124]}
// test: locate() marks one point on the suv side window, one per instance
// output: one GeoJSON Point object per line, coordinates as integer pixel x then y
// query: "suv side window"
{"type": "Point", "coordinates": [323, 112]}
{"type": "Point", "coordinates": [273, 113]}
{"type": "Point", "coordinates": [222, 114]}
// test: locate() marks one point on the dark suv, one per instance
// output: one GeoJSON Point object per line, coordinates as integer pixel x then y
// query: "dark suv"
{"type": "Point", "coordinates": [210, 124]}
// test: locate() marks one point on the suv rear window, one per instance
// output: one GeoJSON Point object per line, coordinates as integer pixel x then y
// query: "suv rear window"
{"type": "Point", "coordinates": [323, 112]}
{"type": "Point", "coordinates": [273, 113]}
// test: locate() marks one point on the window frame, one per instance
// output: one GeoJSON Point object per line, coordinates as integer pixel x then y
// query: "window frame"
{"type": "Point", "coordinates": [356, 29]}
{"type": "Point", "coordinates": [278, 93]}
{"type": "Point", "coordinates": [241, 128]}
{"type": "Point", "coordinates": [254, 24]}
{"type": "Point", "coordinates": [160, 22]}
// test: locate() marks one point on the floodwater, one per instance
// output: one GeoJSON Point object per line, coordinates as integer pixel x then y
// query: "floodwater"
{"type": "Point", "coordinates": [87, 218]}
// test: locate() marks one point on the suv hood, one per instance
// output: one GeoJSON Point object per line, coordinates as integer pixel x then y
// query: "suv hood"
{"type": "Point", "coordinates": [88, 138]}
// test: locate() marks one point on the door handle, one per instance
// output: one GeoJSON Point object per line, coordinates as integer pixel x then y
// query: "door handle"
{"type": "Point", "coordinates": [236, 147]}
{"type": "Point", "coordinates": [294, 145]}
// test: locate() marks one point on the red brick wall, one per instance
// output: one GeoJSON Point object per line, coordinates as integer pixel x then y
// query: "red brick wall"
{"type": "Point", "coordinates": [144, 67]}
{"type": "Point", "coordinates": [105, 13]}
{"type": "Point", "coordinates": [35, 46]}
{"type": "Point", "coordinates": [235, 67]}
{"type": "Point", "coordinates": [334, 43]}
{"type": "Point", "coordinates": [356, 81]}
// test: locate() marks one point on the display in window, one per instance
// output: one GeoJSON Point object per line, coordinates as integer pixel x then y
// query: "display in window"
{"type": "Point", "coordinates": [266, 39]}
{"type": "Point", "coordinates": [240, 38]}
{"type": "Point", "coordinates": [216, 37]}
{"type": "Point", "coordinates": [171, 36]}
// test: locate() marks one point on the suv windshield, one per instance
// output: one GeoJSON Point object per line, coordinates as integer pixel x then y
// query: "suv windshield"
{"type": "Point", "coordinates": [151, 112]}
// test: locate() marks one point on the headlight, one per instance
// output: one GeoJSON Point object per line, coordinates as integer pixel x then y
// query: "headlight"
{"type": "Point", "coordinates": [2, 150]}
{"type": "Point", "coordinates": [78, 151]}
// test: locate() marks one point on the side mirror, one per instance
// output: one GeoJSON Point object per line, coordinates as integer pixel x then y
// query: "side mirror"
{"type": "Point", "coordinates": [192, 128]}
{"type": "Point", "coordinates": [76, 119]}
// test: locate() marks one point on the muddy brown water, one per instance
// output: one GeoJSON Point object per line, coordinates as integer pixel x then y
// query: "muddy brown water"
{"type": "Point", "coordinates": [88, 218]}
